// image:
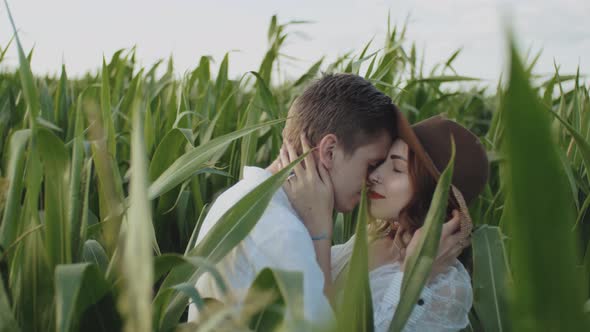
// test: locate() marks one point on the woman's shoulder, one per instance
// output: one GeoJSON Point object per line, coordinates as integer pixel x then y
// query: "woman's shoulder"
{"type": "Point", "coordinates": [387, 279]}
{"type": "Point", "coordinates": [452, 287]}
{"type": "Point", "coordinates": [455, 273]}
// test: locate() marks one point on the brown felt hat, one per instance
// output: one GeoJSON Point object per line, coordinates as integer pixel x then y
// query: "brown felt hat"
{"type": "Point", "coordinates": [430, 140]}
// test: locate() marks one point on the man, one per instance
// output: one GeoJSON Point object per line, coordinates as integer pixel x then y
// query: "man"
{"type": "Point", "coordinates": [356, 124]}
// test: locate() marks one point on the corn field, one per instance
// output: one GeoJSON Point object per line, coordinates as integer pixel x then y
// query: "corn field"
{"type": "Point", "coordinates": [105, 179]}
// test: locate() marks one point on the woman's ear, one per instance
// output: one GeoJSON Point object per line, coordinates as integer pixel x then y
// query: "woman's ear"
{"type": "Point", "coordinates": [326, 150]}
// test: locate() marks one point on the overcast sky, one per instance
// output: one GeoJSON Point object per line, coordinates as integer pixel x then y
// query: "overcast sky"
{"type": "Point", "coordinates": [79, 32]}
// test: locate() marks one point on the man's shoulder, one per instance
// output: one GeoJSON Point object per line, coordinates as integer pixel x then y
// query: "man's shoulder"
{"type": "Point", "coordinates": [253, 176]}
{"type": "Point", "coordinates": [227, 199]}
{"type": "Point", "coordinates": [277, 216]}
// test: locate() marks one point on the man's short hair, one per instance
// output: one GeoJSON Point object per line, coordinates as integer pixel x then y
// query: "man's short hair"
{"type": "Point", "coordinates": [345, 105]}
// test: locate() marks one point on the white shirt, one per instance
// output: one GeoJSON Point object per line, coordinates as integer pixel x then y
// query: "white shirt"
{"type": "Point", "coordinates": [447, 299]}
{"type": "Point", "coordinates": [279, 241]}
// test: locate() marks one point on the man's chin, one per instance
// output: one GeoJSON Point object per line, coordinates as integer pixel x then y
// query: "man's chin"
{"type": "Point", "coordinates": [345, 208]}
{"type": "Point", "coordinates": [341, 208]}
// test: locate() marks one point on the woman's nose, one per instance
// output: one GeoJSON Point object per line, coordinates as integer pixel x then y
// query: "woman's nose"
{"type": "Point", "coordinates": [374, 177]}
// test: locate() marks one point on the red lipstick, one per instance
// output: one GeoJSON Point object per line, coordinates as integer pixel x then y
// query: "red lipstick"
{"type": "Point", "coordinates": [375, 195]}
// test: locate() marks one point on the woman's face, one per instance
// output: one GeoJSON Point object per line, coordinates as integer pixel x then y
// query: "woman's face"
{"type": "Point", "coordinates": [390, 187]}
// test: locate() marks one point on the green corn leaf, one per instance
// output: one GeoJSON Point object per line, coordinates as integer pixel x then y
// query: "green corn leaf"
{"type": "Point", "coordinates": [284, 290]}
{"type": "Point", "coordinates": [491, 279]}
{"type": "Point", "coordinates": [56, 166]}
{"type": "Point", "coordinates": [190, 162]}
{"type": "Point", "coordinates": [356, 310]}
{"type": "Point", "coordinates": [135, 302]}
{"type": "Point", "coordinates": [14, 173]}
{"type": "Point", "coordinates": [77, 286]}
{"type": "Point", "coordinates": [7, 321]}
{"type": "Point", "coordinates": [545, 297]}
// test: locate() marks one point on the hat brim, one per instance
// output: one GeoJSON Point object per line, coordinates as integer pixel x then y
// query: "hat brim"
{"type": "Point", "coordinates": [406, 133]}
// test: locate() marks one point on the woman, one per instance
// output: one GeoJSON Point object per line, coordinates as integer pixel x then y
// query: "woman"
{"type": "Point", "coordinates": [401, 190]}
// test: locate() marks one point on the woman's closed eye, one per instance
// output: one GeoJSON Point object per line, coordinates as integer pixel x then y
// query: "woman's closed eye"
{"type": "Point", "coordinates": [399, 166]}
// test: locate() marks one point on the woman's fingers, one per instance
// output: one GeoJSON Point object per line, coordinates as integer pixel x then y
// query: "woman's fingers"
{"type": "Point", "coordinates": [453, 225]}
{"type": "Point", "coordinates": [457, 250]}
{"type": "Point", "coordinates": [287, 188]}
{"type": "Point", "coordinates": [284, 161]}
{"type": "Point", "coordinates": [406, 238]}
{"type": "Point", "coordinates": [466, 242]}
{"type": "Point", "coordinates": [284, 157]}
{"type": "Point", "coordinates": [325, 176]}
{"type": "Point", "coordinates": [299, 171]}
{"type": "Point", "coordinates": [309, 160]}
{"type": "Point", "coordinates": [451, 247]}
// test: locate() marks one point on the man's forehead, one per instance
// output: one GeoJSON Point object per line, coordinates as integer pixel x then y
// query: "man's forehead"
{"type": "Point", "coordinates": [378, 149]}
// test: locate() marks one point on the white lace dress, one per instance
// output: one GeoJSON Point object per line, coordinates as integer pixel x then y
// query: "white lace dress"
{"type": "Point", "coordinates": [444, 303]}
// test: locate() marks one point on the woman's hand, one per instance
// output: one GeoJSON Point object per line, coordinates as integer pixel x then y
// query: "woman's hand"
{"type": "Point", "coordinates": [450, 246]}
{"type": "Point", "coordinates": [309, 190]}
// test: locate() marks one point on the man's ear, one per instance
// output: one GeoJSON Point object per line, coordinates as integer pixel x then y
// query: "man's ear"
{"type": "Point", "coordinates": [326, 150]}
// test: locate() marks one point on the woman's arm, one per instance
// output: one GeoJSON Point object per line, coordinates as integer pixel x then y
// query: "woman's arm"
{"type": "Point", "coordinates": [311, 194]}
{"type": "Point", "coordinates": [324, 256]}
{"type": "Point", "coordinates": [444, 303]}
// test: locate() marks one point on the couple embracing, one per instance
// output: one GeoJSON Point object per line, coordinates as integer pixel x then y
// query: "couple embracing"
{"type": "Point", "coordinates": [357, 136]}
